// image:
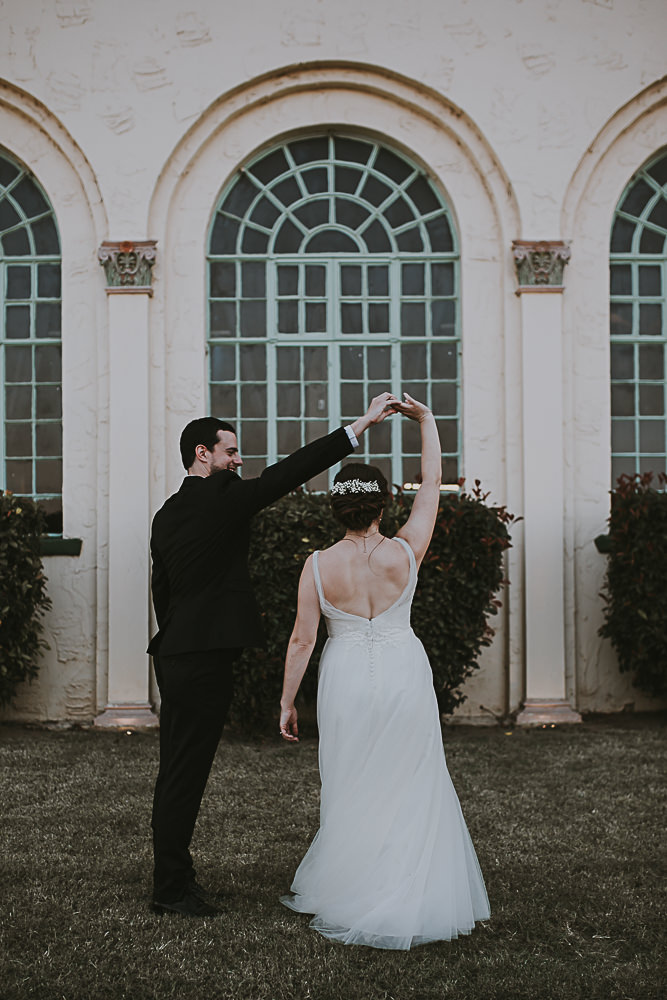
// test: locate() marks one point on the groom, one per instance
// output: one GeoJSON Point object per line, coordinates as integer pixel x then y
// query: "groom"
{"type": "Point", "coordinates": [206, 615]}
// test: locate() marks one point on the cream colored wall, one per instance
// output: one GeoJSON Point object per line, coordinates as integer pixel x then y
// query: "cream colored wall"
{"type": "Point", "coordinates": [133, 116]}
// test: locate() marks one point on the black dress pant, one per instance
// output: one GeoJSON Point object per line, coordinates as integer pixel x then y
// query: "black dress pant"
{"type": "Point", "coordinates": [196, 691]}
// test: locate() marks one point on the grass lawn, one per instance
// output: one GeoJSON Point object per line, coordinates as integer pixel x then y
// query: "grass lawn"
{"type": "Point", "coordinates": [568, 827]}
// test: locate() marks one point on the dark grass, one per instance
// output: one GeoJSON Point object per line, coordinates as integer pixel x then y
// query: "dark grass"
{"type": "Point", "coordinates": [568, 826]}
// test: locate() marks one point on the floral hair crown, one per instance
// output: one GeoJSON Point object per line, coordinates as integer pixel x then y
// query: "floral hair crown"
{"type": "Point", "coordinates": [355, 486]}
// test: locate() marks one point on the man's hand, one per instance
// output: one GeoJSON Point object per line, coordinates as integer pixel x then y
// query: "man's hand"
{"type": "Point", "coordinates": [289, 729]}
{"type": "Point", "coordinates": [381, 407]}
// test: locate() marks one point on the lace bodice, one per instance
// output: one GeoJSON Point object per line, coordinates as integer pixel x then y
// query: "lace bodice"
{"type": "Point", "coordinates": [391, 625]}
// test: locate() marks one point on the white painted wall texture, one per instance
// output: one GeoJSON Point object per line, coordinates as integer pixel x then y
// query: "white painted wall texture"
{"type": "Point", "coordinates": [530, 115]}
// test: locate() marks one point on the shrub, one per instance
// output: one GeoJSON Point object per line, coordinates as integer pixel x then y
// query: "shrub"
{"type": "Point", "coordinates": [635, 590]}
{"type": "Point", "coordinates": [23, 598]}
{"type": "Point", "coordinates": [458, 579]}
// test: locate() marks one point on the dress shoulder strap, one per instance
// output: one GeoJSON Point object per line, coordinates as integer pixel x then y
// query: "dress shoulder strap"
{"type": "Point", "coordinates": [316, 574]}
{"type": "Point", "coordinates": [411, 555]}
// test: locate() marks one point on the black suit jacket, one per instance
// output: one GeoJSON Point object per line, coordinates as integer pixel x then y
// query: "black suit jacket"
{"type": "Point", "coordinates": [202, 593]}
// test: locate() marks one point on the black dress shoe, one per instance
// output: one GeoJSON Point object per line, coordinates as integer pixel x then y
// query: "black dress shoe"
{"type": "Point", "coordinates": [189, 905]}
{"type": "Point", "coordinates": [195, 889]}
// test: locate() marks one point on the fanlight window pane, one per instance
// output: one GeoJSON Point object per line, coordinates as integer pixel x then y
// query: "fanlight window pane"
{"type": "Point", "coordinates": [30, 332]}
{"type": "Point", "coordinates": [638, 328]}
{"type": "Point", "coordinates": [333, 274]}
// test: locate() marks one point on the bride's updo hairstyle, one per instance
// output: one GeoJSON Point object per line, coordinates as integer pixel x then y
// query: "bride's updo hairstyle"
{"type": "Point", "coordinates": [358, 496]}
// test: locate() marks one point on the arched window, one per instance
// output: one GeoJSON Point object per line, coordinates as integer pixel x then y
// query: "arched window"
{"type": "Point", "coordinates": [638, 263]}
{"type": "Point", "coordinates": [333, 275]}
{"type": "Point", "coordinates": [30, 370]}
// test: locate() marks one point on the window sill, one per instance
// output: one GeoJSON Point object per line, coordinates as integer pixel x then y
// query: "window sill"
{"type": "Point", "coordinates": [59, 546]}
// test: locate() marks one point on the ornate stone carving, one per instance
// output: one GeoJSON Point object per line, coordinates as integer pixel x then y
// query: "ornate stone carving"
{"type": "Point", "coordinates": [128, 265]}
{"type": "Point", "coordinates": [540, 263]}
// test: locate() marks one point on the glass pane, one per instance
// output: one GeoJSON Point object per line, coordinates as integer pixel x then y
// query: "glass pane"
{"type": "Point", "coordinates": [253, 436]}
{"type": "Point", "coordinates": [622, 435]}
{"type": "Point", "coordinates": [375, 191]}
{"type": "Point", "coordinates": [450, 470]}
{"type": "Point", "coordinates": [423, 196]}
{"type": "Point", "coordinates": [48, 402]}
{"type": "Point", "coordinates": [448, 431]}
{"type": "Point", "coordinates": [223, 235]}
{"type": "Point", "coordinates": [288, 321]}
{"type": "Point", "coordinates": [48, 476]}
{"type": "Point", "coordinates": [376, 239]}
{"type": "Point", "coordinates": [651, 242]}
{"type": "Point", "coordinates": [378, 317]}
{"type": "Point", "coordinates": [317, 180]}
{"type": "Point", "coordinates": [320, 484]}
{"type": "Point", "coordinates": [253, 318]}
{"type": "Point", "coordinates": [223, 363]}
{"type": "Point", "coordinates": [18, 282]}
{"type": "Point", "coordinates": [289, 436]}
{"type": "Point", "coordinates": [254, 241]}
{"type": "Point", "coordinates": [382, 440]}
{"type": "Point", "coordinates": [315, 429]}
{"type": "Point", "coordinates": [223, 319]}
{"type": "Point", "coordinates": [313, 213]}
{"type": "Point", "coordinates": [331, 241]}
{"type": "Point", "coordinates": [8, 215]}
{"type": "Point", "coordinates": [440, 234]}
{"type": "Point", "coordinates": [412, 279]}
{"type": "Point", "coordinates": [18, 364]}
{"type": "Point", "coordinates": [48, 281]}
{"type": "Point", "coordinates": [352, 362]}
{"type": "Point", "coordinates": [410, 437]}
{"type": "Point", "coordinates": [47, 363]}
{"type": "Point", "coordinates": [650, 280]}
{"type": "Point", "coordinates": [309, 150]}
{"type": "Point", "coordinates": [16, 243]}
{"type": "Point", "coordinates": [652, 464]}
{"type": "Point", "coordinates": [317, 399]}
{"type": "Point", "coordinates": [658, 214]}
{"type": "Point", "coordinates": [652, 361]}
{"type": "Point", "coordinates": [398, 213]}
{"type": "Point", "coordinates": [48, 440]}
{"type": "Point", "coordinates": [622, 400]}
{"type": "Point", "coordinates": [53, 509]}
{"type": "Point", "coordinates": [443, 361]}
{"type": "Point", "coordinates": [272, 165]}
{"type": "Point", "coordinates": [442, 279]}
{"type": "Point", "coordinates": [620, 276]}
{"type": "Point", "coordinates": [29, 198]}
{"type": "Point", "coordinates": [650, 319]}
{"type": "Point", "coordinates": [316, 281]}
{"type": "Point", "coordinates": [412, 319]}
{"type": "Point", "coordinates": [315, 363]}
{"type": "Point", "coordinates": [289, 363]}
{"type": "Point", "coordinates": [19, 477]}
{"type": "Point", "coordinates": [624, 466]}
{"type": "Point", "coordinates": [289, 399]}
{"type": "Point", "coordinates": [287, 191]}
{"type": "Point", "coordinates": [621, 236]}
{"type": "Point", "coordinates": [350, 277]}
{"type": "Point", "coordinates": [18, 402]}
{"type": "Point", "coordinates": [288, 280]}
{"type": "Point", "coordinates": [622, 361]}
{"type": "Point", "coordinates": [651, 400]}
{"type": "Point", "coordinates": [378, 280]}
{"type": "Point", "coordinates": [45, 236]}
{"type": "Point", "coordinates": [636, 198]}
{"type": "Point", "coordinates": [352, 399]}
{"type": "Point", "coordinates": [620, 320]}
{"type": "Point", "coordinates": [253, 362]}
{"type": "Point", "coordinates": [47, 320]}
{"type": "Point", "coordinates": [265, 213]}
{"type": "Point", "coordinates": [241, 196]}
{"type": "Point", "coordinates": [17, 323]}
{"type": "Point", "coordinates": [252, 467]}
{"type": "Point", "coordinates": [223, 401]}
{"type": "Point", "coordinates": [351, 321]}
{"type": "Point", "coordinates": [391, 165]}
{"type": "Point", "coordinates": [222, 279]}
{"type": "Point", "coordinates": [443, 398]}
{"type": "Point", "coordinates": [410, 241]}
{"type": "Point", "coordinates": [316, 317]}
{"type": "Point", "coordinates": [18, 440]}
{"type": "Point", "coordinates": [289, 238]}
{"type": "Point", "coordinates": [379, 363]}
{"type": "Point", "coordinates": [352, 149]}
{"type": "Point", "coordinates": [347, 179]}
{"type": "Point", "coordinates": [652, 436]}
{"type": "Point", "coordinates": [253, 401]}
{"type": "Point", "coordinates": [443, 317]}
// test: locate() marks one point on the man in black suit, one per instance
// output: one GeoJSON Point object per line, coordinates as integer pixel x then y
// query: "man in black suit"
{"type": "Point", "coordinates": [207, 615]}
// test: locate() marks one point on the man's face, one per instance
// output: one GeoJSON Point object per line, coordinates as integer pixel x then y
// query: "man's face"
{"type": "Point", "coordinates": [225, 454]}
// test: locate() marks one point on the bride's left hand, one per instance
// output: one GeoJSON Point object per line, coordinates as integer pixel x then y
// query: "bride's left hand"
{"type": "Point", "coordinates": [289, 729]}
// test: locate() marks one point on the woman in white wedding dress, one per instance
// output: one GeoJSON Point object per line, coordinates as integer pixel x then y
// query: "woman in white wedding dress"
{"type": "Point", "coordinates": [392, 865]}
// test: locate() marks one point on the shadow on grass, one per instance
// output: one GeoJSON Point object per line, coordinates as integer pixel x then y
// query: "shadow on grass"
{"type": "Point", "coordinates": [567, 826]}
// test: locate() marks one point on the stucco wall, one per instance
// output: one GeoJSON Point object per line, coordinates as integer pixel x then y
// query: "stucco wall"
{"type": "Point", "coordinates": [531, 115]}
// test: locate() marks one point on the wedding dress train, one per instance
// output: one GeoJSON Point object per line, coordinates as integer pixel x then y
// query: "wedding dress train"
{"type": "Point", "coordinates": [392, 864]}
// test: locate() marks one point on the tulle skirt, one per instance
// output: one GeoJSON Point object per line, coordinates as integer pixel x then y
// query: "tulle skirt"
{"type": "Point", "coordinates": [392, 865]}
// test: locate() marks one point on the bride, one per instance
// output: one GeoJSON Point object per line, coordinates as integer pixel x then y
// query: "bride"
{"type": "Point", "coordinates": [392, 864]}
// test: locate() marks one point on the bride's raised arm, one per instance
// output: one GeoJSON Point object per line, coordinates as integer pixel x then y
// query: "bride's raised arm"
{"type": "Point", "coordinates": [418, 528]}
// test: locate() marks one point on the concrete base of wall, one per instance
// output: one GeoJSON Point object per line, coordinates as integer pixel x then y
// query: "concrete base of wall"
{"type": "Point", "coordinates": [127, 717]}
{"type": "Point", "coordinates": [557, 712]}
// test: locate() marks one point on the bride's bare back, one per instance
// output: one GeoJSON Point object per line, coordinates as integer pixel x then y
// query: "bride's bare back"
{"type": "Point", "coordinates": [364, 583]}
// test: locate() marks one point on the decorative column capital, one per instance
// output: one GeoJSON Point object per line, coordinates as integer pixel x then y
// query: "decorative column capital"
{"type": "Point", "coordinates": [539, 264]}
{"type": "Point", "coordinates": [128, 265]}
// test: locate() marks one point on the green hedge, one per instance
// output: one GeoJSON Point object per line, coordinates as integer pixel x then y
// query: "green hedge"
{"type": "Point", "coordinates": [23, 598]}
{"type": "Point", "coordinates": [635, 590]}
{"type": "Point", "coordinates": [458, 581]}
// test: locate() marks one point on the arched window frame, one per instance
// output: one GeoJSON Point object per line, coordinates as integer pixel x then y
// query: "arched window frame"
{"type": "Point", "coordinates": [30, 342]}
{"type": "Point", "coordinates": [638, 323]}
{"type": "Point", "coordinates": [304, 356]}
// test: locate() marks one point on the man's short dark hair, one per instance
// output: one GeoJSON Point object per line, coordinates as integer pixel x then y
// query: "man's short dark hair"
{"type": "Point", "coordinates": [204, 431]}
